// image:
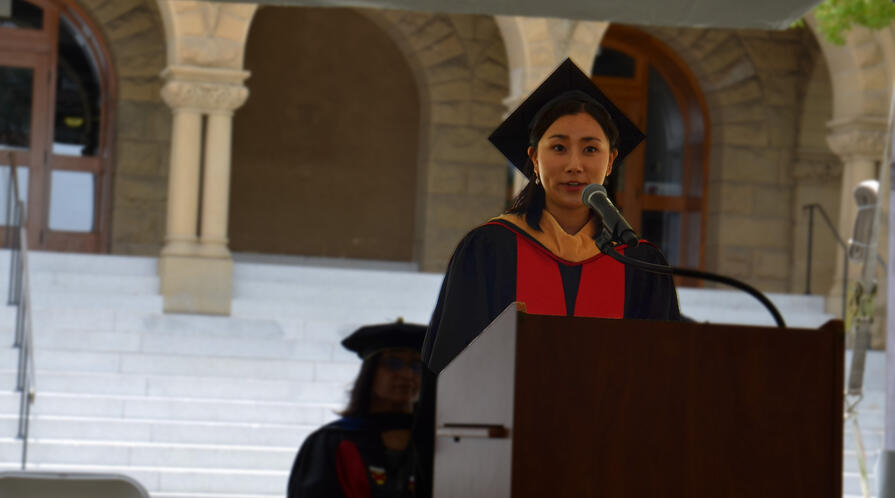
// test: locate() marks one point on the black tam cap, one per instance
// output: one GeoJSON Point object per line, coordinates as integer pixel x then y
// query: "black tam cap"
{"type": "Point", "coordinates": [511, 137]}
{"type": "Point", "coordinates": [370, 339]}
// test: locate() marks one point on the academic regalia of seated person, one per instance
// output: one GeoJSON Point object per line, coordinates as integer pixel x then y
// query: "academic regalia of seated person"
{"type": "Point", "coordinates": [348, 458]}
{"type": "Point", "coordinates": [531, 259]}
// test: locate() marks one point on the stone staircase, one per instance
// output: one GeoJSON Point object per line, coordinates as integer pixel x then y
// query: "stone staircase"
{"type": "Point", "coordinates": [199, 406]}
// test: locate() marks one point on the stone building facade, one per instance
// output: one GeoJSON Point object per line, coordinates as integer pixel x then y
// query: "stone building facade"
{"type": "Point", "coordinates": [214, 149]}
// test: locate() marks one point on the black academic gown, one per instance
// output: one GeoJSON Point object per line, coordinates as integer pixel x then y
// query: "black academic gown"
{"type": "Point", "coordinates": [347, 459]}
{"type": "Point", "coordinates": [499, 263]}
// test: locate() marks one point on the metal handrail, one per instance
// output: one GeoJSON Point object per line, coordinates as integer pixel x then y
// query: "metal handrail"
{"type": "Point", "coordinates": [811, 208]}
{"type": "Point", "coordinates": [20, 295]}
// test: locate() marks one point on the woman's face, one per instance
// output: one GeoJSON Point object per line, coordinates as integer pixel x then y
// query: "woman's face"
{"type": "Point", "coordinates": [572, 153]}
{"type": "Point", "coordinates": [397, 380]}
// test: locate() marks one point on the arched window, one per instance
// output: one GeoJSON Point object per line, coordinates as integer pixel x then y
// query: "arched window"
{"type": "Point", "coordinates": [661, 185]}
{"type": "Point", "coordinates": [55, 91]}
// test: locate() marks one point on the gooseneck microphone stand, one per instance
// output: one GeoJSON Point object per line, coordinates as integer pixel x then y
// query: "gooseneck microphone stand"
{"type": "Point", "coordinates": [604, 242]}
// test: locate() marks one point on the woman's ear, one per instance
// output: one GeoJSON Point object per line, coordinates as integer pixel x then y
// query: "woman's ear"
{"type": "Point", "coordinates": [533, 156]}
{"type": "Point", "coordinates": [612, 156]}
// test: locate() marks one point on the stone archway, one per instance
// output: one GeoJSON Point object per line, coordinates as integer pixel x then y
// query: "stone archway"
{"type": "Point", "coordinates": [461, 69]}
{"type": "Point", "coordinates": [325, 152]}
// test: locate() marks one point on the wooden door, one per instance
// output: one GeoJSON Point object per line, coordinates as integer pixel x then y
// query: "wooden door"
{"type": "Point", "coordinates": [25, 78]}
{"type": "Point", "coordinates": [65, 162]}
{"type": "Point", "coordinates": [660, 187]}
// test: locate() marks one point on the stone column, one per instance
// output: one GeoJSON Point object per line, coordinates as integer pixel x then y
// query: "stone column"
{"type": "Point", "coordinates": [216, 182]}
{"type": "Point", "coordinates": [195, 267]}
{"type": "Point", "coordinates": [183, 192]}
{"type": "Point", "coordinates": [859, 143]}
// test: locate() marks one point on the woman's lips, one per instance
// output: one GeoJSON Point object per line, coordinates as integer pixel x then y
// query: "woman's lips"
{"type": "Point", "coordinates": [573, 187]}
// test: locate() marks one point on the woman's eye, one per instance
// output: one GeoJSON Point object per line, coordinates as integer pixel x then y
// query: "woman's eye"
{"type": "Point", "coordinates": [558, 147]}
{"type": "Point", "coordinates": [591, 149]}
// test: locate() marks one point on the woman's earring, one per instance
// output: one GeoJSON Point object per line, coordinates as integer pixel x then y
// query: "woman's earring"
{"type": "Point", "coordinates": [537, 180]}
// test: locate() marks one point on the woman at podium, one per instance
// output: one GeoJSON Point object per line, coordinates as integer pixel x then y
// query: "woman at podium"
{"type": "Point", "coordinates": [367, 453]}
{"type": "Point", "coordinates": [541, 252]}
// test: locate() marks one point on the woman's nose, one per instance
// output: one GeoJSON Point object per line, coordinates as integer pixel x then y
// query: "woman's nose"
{"type": "Point", "coordinates": [575, 163]}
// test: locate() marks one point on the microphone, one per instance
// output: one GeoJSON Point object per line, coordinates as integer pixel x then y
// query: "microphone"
{"type": "Point", "coordinates": [594, 196]}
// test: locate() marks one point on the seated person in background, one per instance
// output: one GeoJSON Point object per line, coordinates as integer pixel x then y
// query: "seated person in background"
{"type": "Point", "coordinates": [367, 452]}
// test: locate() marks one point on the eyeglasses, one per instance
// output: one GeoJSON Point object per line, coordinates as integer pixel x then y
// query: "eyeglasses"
{"type": "Point", "coordinates": [396, 364]}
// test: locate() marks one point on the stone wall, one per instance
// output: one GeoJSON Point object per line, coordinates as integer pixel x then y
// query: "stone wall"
{"type": "Point", "coordinates": [135, 36]}
{"type": "Point", "coordinates": [460, 63]}
{"type": "Point", "coordinates": [817, 177]}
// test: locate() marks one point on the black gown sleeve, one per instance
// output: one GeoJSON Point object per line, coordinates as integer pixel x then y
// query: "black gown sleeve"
{"type": "Point", "coordinates": [649, 296]}
{"type": "Point", "coordinates": [480, 282]}
{"type": "Point", "coordinates": [314, 472]}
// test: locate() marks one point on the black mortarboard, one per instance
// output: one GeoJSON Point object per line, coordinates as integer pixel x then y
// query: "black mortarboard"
{"type": "Point", "coordinates": [511, 137]}
{"type": "Point", "coordinates": [371, 339]}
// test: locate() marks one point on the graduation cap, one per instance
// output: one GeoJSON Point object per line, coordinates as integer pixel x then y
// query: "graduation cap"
{"type": "Point", "coordinates": [511, 137]}
{"type": "Point", "coordinates": [371, 339]}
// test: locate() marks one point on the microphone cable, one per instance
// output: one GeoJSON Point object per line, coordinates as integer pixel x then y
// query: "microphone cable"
{"type": "Point", "coordinates": [604, 243]}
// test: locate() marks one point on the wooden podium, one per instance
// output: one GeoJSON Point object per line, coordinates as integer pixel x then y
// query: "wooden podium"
{"type": "Point", "coordinates": [547, 406]}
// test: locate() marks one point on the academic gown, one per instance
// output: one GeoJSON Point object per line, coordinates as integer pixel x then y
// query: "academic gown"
{"type": "Point", "coordinates": [506, 260]}
{"type": "Point", "coordinates": [347, 459]}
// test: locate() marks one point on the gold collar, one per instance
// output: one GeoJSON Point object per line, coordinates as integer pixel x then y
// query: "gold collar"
{"type": "Point", "coordinates": [573, 248]}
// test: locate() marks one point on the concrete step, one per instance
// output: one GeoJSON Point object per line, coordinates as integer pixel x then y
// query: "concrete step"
{"type": "Point", "coordinates": [177, 481]}
{"type": "Point", "coordinates": [409, 289]}
{"type": "Point", "coordinates": [736, 299]}
{"type": "Point", "coordinates": [46, 299]}
{"type": "Point", "coordinates": [161, 430]}
{"type": "Point", "coordinates": [758, 317]}
{"type": "Point", "coordinates": [104, 319]}
{"type": "Point", "coordinates": [336, 312]}
{"type": "Point", "coordinates": [315, 276]}
{"type": "Point", "coordinates": [249, 389]}
{"type": "Point", "coordinates": [187, 365]}
{"type": "Point", "coordinates": [175, 409]}
{"type": "Point", "coordinates": [152, 454]}
{"type": "Point", "coordinates": [95, 264]}
{"type": "Point", "coordinates": [177, 344]}
{"type": "Point", "coordinates": [83, 282]}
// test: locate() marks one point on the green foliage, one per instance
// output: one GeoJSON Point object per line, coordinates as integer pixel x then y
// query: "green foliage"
{"type": "Point", "coordinates": [836, 17]}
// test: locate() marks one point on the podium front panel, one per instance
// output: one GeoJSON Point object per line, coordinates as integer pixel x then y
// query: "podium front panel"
{"type": "Point", "coordinates": [622, 408]}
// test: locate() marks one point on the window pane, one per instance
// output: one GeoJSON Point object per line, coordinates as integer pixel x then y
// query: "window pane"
{"type": "Point", "coordinates": [76, 128]}
{"type": "Point", "coordinates": [663, 169]}
{"type": "Point", "coordinates": [663, 228]}
{"type": "Point", "coordinates": [16, 85]}
{"type": "Point", "coordinates": [20, 14]}
{"type": "Point", "coordinates": [609, 62]}
{"type": "Point", "coordinates": [71, 201]}
{"type": "Point", "coordinates": [696, 139]}
{"type": "Point", "coordinates": [694, 234]}
{"type": "Point", "coordinates": [5, 194]}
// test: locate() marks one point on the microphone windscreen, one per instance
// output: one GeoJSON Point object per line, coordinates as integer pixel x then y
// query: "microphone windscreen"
{"type": "Point", "coordinates": [590, 190]}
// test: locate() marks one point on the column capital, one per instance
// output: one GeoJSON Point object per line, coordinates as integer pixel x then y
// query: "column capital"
{"type": "Point", "coordinates": [207, 90]}
{"type": "Point", "coordinates": [857, 138]}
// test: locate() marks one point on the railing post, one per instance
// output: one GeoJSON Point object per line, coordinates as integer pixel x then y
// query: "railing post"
{"type": "Point", "coordinates": [20, 218]}
{"type": "Point", "coordinates": [20, 378]}
{"type": "Point", "coordinates": [844, 283]}
{"type": "Point", "coordinates": [810, 244]}
{"type": "Point", "coordinates": [10, 203]}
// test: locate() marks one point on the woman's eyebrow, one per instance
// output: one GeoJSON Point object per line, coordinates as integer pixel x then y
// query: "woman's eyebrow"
{"type": "Point", "coordinates": [583, 139]}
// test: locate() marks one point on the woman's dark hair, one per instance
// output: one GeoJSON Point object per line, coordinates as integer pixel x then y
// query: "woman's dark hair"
{"type": "Point", "coordinates": [531, 200]}
{"type": "Point", "coordinates": [362, 392]}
